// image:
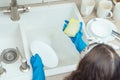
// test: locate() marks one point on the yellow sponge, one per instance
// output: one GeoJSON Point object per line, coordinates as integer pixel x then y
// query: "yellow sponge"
{"type": "Point", "coordinates": [72, 27]}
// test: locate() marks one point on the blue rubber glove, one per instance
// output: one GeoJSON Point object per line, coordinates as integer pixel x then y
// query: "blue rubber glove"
{"type": "Point", "coordinates": [77, 40]}
{"type": "Point", "coordinates": [38, 68]}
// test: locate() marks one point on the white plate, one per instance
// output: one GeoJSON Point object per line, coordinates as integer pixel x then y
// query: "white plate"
{"type": "Point", "coordinates": [46, 53]}
{"type": "Point", "coordinates": [101, 29]}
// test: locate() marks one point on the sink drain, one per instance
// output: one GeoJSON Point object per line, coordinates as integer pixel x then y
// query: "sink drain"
{"type": "Point", "coordinates": [9, 55]}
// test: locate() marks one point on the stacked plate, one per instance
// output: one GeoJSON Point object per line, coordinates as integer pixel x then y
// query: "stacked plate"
{"type": "Point", "coordinates": [101, 29]}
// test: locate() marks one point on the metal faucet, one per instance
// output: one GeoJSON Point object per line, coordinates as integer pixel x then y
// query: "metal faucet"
{"type": "Point", "coordinates": [13, 3]}
{"type": "Point", "coordinates": [14, 10]}
{"type": "Point", "coordinates": [24, 67]}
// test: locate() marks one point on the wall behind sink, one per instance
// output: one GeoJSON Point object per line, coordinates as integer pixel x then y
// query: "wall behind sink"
{"type": "Point", "coordinates": [7, 2]}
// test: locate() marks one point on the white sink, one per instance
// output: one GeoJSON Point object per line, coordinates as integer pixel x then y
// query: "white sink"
{"type": "Point", "coordinates": [43, 23]}
{"type": "Point", "coordinates": [11, 38]}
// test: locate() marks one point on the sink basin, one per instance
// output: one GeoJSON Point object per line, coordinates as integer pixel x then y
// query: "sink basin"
{"type": "Point", "coordinates": [11, 38]}
{"type": "Point", "coordinates": [43, 23]}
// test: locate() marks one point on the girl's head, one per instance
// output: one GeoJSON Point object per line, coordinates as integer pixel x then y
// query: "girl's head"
{"type": "Point", "coordinates": [101, 63]}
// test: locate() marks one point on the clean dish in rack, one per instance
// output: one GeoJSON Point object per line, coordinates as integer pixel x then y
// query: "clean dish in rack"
{"type": "Point", "coordinates": [101, 29]}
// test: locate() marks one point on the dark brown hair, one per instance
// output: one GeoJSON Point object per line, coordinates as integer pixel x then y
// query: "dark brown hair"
{"type": "Point", "coordinates": [101, 63]}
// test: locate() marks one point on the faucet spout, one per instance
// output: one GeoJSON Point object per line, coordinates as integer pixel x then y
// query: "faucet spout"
{"type": "Point", "coordinates": [13, 3]}
{"type": "Point", "coordinates": [14, 11]}
{"type": "Point", "coordinates": [15, 14]}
